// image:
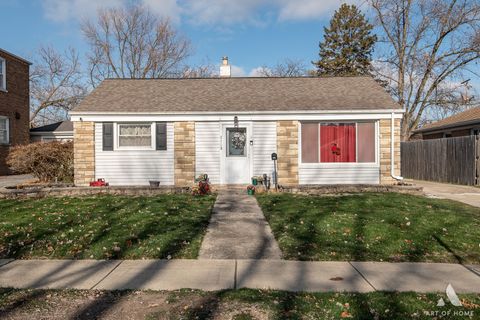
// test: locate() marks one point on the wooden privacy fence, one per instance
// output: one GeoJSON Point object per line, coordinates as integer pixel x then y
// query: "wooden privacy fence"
{"type": "Point", "coordinates": [452, 160]}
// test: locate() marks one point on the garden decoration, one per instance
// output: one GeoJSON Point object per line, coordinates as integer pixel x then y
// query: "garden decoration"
{"type": "Point", "coordinates": [256, 180]}
{"type": "Point", "coordinates": [99, 183]}
{"type": "Point", "coordinates": [154, 183]}
{"type": "Point", "coordinates": [251, 190]}
{"type": "Point", "coordinates": [203, 187]}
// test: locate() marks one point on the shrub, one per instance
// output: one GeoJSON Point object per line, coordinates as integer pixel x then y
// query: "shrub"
{"type": "Point", "coordinates": [47, 161]}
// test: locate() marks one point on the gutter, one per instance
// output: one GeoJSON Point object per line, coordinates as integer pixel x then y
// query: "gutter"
{"type": "Point", "coordinates": [392, 150]}
{"type": "Point", "coordinates": [272, 112]}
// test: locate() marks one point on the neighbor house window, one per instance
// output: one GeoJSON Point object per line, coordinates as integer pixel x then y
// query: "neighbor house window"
{"type": "Point", "coordinates": [4, 131]}
{"type": "Point", "coordinates": [135, 135]}
{"type": "Point", "coordinates": [3, 74]}
{"type": "Point", "coordinates": [337, 142]}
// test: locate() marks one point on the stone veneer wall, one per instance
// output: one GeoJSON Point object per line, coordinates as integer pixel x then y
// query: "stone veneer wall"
{"type": "Point", "coordinates": [287, 150]}
{"type": "Point", "coordinates": [184, 144]}
{"type": "Point", "coordinates": [84, 152]}
{"type": "Point", "coordinates": [385, 145]}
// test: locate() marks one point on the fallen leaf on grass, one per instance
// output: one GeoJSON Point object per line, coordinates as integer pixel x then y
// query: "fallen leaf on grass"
{"type": "Point", "coordinates": [345, 314]}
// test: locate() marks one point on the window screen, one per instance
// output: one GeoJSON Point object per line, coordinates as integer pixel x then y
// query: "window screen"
{"type": "Point", "coordinates": [310, 142]}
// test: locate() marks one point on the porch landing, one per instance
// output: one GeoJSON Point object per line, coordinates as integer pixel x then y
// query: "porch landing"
{"type": "Point", "coordinates": [238, 229]}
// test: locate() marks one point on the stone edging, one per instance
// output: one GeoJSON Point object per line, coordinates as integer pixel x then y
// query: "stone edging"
{"type": "Point", "coordinates": [87, 191]}
{"type": "Point", "coordinates": [342, 189]}
{"type": "Point", "coordinates": [41, 192]}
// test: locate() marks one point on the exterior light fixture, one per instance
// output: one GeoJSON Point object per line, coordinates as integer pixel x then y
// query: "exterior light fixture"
{"type": "Point", "coordinates": [235, 122]}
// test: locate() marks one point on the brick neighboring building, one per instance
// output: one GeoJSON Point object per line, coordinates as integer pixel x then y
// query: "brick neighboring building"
{"type": "Point", "coordinates": [14, 104]}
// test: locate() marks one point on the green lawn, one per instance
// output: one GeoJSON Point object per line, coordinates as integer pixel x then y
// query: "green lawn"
{"type": "Point", "coordinates": [104, 227]}
{"type": "Point", "coordinates": [241, 304]}
{"type": "Point", "coordinates": [379, 227]}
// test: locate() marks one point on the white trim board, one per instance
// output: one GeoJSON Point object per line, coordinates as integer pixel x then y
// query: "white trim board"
{"type": "Point", "coordinates": [245, 117]}
{"type": "Point", "coordinates": [80, 113]}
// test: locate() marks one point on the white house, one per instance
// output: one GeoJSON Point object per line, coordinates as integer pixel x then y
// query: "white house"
{"type": "Point", "coordinates": [331, 130]}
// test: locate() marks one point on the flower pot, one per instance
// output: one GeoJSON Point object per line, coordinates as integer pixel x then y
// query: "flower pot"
{"type": "Point", "coordinates": [254, 181]}
{"type": "Point", "coordinates": [154, 183]}
{"type": "Point", "coordinates": [250, 192]}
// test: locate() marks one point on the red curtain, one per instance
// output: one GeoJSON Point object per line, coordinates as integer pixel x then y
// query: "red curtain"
{"type": "Point", "coordinates": [337, 143]}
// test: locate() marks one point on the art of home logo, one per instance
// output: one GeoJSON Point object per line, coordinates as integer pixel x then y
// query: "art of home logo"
{"type": "Point", "coordinates": [454, 300]}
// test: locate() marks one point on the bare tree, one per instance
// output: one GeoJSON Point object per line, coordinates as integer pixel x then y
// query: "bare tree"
{"type": "Point", "coordinates": [132, 43]}
{"type": "Point", "coordinates": [201, 71]}
{"type": "Point", "coordinates": [285, 68]}
{"type": "Point", "coordinates": [56, 85]}
{"type": "Point", "coordinates": [429, 47]}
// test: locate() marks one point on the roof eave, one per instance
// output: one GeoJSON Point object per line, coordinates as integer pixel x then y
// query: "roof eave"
{"type": "Point", "coordinates": [342, 111]}
{"type": "Point", "coordinates": [448, 126]}
{"type": "Point", "coordinates": [16, 57]}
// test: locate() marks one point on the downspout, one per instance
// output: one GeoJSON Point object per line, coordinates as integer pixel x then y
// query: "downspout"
{"type": "Point", "coordinates": [392, 150]}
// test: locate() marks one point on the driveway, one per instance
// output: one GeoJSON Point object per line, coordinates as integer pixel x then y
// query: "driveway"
{"type": "Point", "coordinates": [466, 194]}
{"type": "Point", "coordinates": [13, 180]}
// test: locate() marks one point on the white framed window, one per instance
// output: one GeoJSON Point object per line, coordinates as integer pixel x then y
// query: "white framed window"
{"type": "Point", "coordinates": [135, 136]}
{"type": "Point", "coordinates": [338, 142]}
{"type": "Point", "coordinates": [3, 74]}
{"type": "Point", "coordinates": [4, 131]}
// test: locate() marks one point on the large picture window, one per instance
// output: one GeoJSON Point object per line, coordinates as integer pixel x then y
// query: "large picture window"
{"type": "Point", "coordinates": [338, 142]}
{"type": "Point", "coordinates": [134, 135]}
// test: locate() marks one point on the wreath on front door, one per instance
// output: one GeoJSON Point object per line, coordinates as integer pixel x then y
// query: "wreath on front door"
{"type": "Point", "coordinates": [238, 140]}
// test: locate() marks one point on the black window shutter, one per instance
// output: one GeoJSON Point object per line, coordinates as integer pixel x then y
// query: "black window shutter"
{"type": "Point", "coordinates": [107, 136]}
{"type": "Point", "coordinates": [161, 136]}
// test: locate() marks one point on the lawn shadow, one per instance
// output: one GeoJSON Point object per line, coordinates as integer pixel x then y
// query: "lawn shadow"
{"type": "Point", "coordinates": [19, 303]}
{"type": "Point", "coordinates": [458, 258]}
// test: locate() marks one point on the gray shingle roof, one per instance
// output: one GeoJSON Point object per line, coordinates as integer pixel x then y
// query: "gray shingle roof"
{"type": "Point", "coordinates": [462, 118]}
{"type": "Point", "coordinates": [237, 95]}
{"type": "Point", "coordinates": [55, 127]}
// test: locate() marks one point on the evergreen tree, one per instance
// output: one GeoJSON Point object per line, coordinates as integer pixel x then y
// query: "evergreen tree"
{"type": "Point", "coordinates": [348, 44]}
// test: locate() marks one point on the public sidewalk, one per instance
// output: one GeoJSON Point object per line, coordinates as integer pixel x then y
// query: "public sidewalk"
{"type": "Point", "coordinates": [211, 275]}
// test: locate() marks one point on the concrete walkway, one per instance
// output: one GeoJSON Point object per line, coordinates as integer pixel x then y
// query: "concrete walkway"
{"type": "Point", "coordinates": [211, 275]}
{"type": "Point", "coordinates": [466, 194]}
{"type": "Point", "coordinates": [238, 230]}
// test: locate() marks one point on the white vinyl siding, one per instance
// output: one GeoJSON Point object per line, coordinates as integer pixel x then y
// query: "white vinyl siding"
{"type": "Point", "coordinates": [355, 174]}
{"type": "Point", "coordinates": [134, 167]}
{"type": "Point", "coordinates": [264, 144]}
{"type": "Point", "coordinates": [207, 150]}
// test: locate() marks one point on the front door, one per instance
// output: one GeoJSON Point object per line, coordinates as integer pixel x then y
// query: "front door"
{"type": "Point", "coordinates": [236, 154]}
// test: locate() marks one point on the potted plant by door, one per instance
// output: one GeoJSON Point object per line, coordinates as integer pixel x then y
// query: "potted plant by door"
{"type": "Point", "coordinates": [251, 190]}
{"type": "Point", "coordinates": [154, 183]}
